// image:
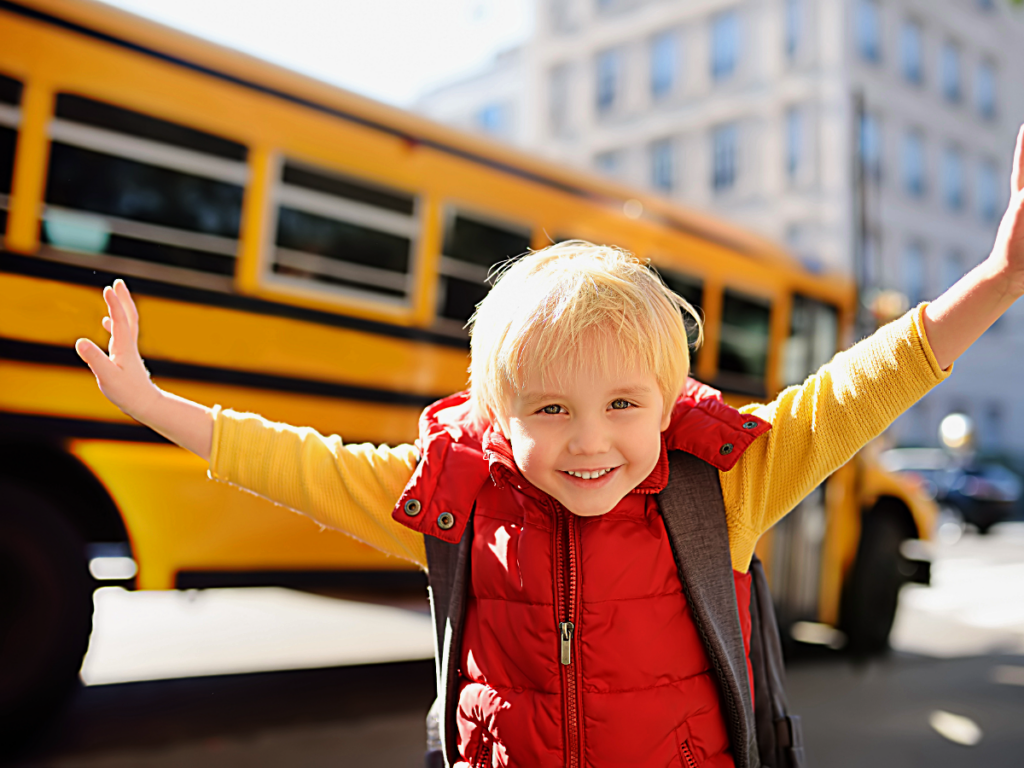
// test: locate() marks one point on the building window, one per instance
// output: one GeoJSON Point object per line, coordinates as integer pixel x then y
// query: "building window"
{"type": "Point", "coordinates": [725, 42]}
{"type": "Point", "coordinates": [988, 191]}
{"type": "Point", "coordinates": [664, 64]}
{"type": "Point", "coordinates": [725, 139]}
{"type": "Point", "coordinates": [609, 162]}
{"type": "Point", "coordinates": [794, 26]}
{"type": "Point", "coordinates": [493, 119]}
{"type": "Point", "coordinates": [985, 87]}
{"type": "Point", "coordinates": [560, 82]}
{"type": "Point", "coordinates": [794, 141]}
{"type": "Point", "coordinates": [663, 165]}
{"type": "Point", "coordinates": [870, 146]}
{"type": "Point", "coordinates": [609, 75]}
{"type": "Point", "coordinates": [869, 30]}
{"type": "Point", "coordinates": [949, 68]}
{"type": "Point", "coordinates": [914, 163]}
{"type": "Point", "coordinates": [561, 15]}
{"type": "Point", "coordinates": [914, 275]}
{"type": "Point", "coordinates": [912, 52]}
{"type": "Point", "coordinates": [953, 178]}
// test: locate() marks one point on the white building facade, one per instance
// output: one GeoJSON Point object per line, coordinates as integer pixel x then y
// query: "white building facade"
{"type": "Point", "coordinates": [766, 111]}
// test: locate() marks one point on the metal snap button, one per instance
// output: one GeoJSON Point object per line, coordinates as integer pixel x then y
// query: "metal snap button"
{"type": "Point", "coordinates": [413, 507]}
{"type": "Point", "coordinates": [445, 520]}
{"type": "Point", "coordinates": [749, 424]}
{"type": "Point", "coordinates": [726, 449]}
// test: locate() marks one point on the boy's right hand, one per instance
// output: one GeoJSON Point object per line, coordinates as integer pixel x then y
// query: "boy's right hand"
{"type": "Point", "coordinates": [120, 372]}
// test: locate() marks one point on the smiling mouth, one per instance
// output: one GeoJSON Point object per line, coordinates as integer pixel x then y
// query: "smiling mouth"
{"type": "Point", "coordinates": [589, 474]}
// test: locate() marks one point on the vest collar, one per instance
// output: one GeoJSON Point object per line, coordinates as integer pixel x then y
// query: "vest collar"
{"type": "Point", "coordinates": [457, 456]}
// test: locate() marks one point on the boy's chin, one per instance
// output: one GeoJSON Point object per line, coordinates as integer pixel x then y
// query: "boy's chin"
{"type": "Point", "coordinates": [588, 510]}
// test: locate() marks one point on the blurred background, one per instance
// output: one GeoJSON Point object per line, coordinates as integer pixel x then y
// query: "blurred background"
{"type": "Point", "coordinates": [306, 197]}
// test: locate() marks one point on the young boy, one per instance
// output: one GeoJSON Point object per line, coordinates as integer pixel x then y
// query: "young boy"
{"type": "Point", "coordinates": [573, 642]}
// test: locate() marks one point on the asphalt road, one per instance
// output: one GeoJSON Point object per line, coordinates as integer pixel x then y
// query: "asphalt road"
{"type": "Point", "coordinates": [952, 694]}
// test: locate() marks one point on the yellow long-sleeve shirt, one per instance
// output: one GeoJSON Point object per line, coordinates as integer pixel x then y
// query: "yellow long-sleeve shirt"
{"type": "Point", "coordinates": [816, 428]}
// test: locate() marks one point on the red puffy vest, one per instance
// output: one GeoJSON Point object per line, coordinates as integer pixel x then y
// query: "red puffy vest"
{"type": "Point", "coordinates": [578, 646]}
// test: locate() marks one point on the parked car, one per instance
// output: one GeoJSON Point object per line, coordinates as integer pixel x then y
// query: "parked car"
{"type": "Point", "coordinates": [968, 490]}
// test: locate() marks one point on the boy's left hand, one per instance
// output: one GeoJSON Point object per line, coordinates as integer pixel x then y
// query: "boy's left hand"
{"type": "Point", "coordinates": [1008, 252]}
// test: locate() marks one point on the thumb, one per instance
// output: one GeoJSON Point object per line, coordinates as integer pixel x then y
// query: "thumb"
{"type": "Point", "coordinates": [97, 360]}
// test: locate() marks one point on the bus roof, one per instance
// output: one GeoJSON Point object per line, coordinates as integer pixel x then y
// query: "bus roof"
{"type": "Point", "coordinates": [121, 28]}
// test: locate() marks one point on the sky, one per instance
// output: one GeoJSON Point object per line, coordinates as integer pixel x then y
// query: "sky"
{"type": "Point", "coordinates": [390, 50]}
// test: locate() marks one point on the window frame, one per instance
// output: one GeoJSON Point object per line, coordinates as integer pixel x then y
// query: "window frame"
{"type": "Point", "coordinates": [328, 293]}
{"type": "Point", "coordinates": [449, 266]}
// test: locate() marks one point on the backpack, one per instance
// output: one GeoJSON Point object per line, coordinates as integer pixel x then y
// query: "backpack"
{"type": "Point", "coordinates": [761, 731]}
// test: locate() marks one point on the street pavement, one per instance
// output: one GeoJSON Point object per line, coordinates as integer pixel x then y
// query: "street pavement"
{"type": "Point", "coordinates": [950, 694]}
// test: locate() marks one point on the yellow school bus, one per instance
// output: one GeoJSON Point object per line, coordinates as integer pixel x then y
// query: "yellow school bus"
{"type": "Point", "coordinates": [313, 256]}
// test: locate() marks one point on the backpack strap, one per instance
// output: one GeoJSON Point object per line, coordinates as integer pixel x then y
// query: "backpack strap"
{"type": "Point", "coordinates": [779, 734]}
{"type": "Point", "coordinates": [694, 513]}
{"type": "Point", "coordinates": [448, 570]}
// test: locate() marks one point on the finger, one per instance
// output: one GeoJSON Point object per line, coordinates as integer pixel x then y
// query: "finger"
{"type": "Point", "coordinates": [1017, 176]}
{"type": "Point", "coordinates": [105, 322]}
{"type": "Point", "coordinates": [120, 332]}
{"type": "Point", "coordinates": [97, 360]}
{"type": "Point", "coordinates": [121, 289]}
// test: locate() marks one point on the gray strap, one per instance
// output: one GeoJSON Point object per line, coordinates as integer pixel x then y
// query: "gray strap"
{"type": "Point", "coordinates": [448, 570]}
{"type": "Point", "coordinates": [694, 514]}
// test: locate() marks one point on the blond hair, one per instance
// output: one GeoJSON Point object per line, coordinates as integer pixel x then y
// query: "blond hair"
{"type": "Point", "coordinates": [547, 304]}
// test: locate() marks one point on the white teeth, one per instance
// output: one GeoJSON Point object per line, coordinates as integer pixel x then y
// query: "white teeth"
{"type": "Point", "coordinates": [589, 475]}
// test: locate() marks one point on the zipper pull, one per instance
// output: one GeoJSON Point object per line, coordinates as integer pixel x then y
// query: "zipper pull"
{"type": "Point", "coordinates": [565, 629]}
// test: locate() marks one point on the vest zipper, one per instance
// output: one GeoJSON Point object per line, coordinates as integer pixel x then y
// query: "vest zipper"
{"type": "Point", "coordinates": [566, 564]}
{"type": "Point", "coordinates": [688, 759]}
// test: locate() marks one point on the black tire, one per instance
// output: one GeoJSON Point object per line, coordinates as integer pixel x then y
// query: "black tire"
{"type": "Point", "coordinates": [45, 611]}
{"type": "Point", "coordinates": [872, 591]}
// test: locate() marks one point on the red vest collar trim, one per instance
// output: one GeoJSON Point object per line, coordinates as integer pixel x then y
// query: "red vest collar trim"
{"type": "Point", "coordinates": [466, 454]}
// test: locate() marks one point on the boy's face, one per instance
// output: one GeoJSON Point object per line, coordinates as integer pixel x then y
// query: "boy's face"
{"type": "Point", "coordinates": [604, 424]}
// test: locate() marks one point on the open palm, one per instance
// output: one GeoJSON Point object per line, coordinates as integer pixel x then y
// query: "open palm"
{"type": "Point", "coordinates": [120, 372]}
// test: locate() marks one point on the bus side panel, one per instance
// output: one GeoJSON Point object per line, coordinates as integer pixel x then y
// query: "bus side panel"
{"type": "Point", "coordinates": [180, 520]}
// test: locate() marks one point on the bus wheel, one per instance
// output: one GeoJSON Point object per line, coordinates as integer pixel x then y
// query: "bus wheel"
{"type": "Point", "coordinates": [872, 590]}
{"type": "Point", "coordinates": [46, 610]}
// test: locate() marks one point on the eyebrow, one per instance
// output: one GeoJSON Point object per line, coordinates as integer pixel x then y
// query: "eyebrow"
{"type": "Point", "coordinates": [530, 397]}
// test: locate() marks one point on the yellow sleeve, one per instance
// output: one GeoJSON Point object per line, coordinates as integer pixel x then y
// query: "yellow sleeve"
{"type": "Point", "coordinates": [352, 488]}
{"type": "Point", "coordinates": [819, 425]}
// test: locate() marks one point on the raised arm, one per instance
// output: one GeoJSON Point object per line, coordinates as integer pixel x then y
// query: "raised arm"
{"type": "Point", "coordinates": [348, 487]}
{"type": "Point", "coordinates": [123, 378]}
{"type": "Point", "coordinates": [962, 314]}
{"type": "Point", "coordinates": [818, 426]}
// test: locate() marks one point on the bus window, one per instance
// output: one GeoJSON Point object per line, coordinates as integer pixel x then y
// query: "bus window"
{"type": "Point", "coordinates": [691, 289]}
{"type": "Point", "coordinates": [343, 234]}
{"type": "Point", "coordinates": [743, 346]}
{"type": "Point", "coordinates": [471, 248]}
{"type": "Point", "coordinates": [155, 193]}
{"type": "Point", "coordinates": [10, 99]}
{"type": "Point", "coordinates": [813, 338]}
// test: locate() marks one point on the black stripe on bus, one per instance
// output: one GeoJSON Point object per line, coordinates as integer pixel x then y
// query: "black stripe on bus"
{"type": "Point", "coordinates": [455, 151]}
{"type": "Point", "coordinates": [37, 427]}
{"type": "Point", "coordinates": [49, 354]}
{"type": "Point", "coordinates": [69, 273]}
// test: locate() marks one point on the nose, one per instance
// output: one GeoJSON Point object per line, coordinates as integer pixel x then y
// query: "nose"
{"type": "Point", "coordinates": [589, 437]}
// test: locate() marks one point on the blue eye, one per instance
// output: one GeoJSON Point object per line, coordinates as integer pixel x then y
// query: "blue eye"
{"type": "Point", "coordinates": [620, 404]}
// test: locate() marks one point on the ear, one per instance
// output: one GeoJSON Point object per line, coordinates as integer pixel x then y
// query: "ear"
{"type": "Point", "coordinates": [666, 417]}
